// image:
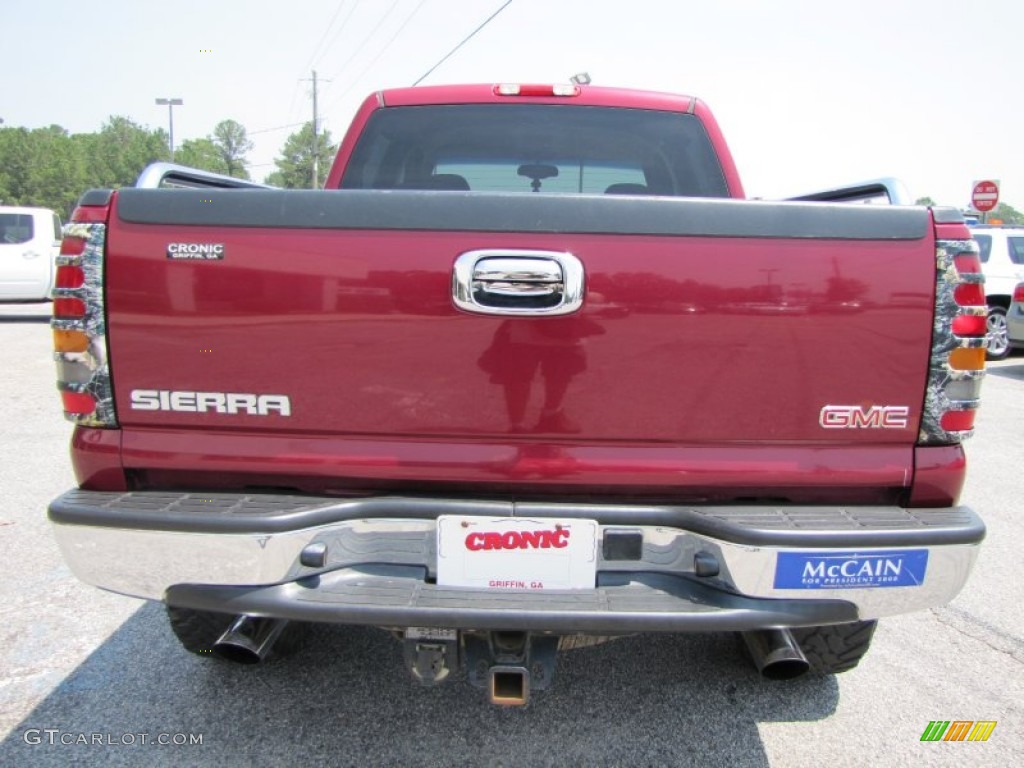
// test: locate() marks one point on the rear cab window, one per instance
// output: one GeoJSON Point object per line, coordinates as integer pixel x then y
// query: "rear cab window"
{"type": "Point", "coordinates": [536, 149]}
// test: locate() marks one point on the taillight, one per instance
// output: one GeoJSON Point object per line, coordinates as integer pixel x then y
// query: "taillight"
{"type": "Point", "coordinates": [1018, 293]}
{"type": "Point", "coordinates": [68, 275]}
{"type": "Point", "coordinates": [68, 308]}
{"type": "Point", "coordinates": [517, 89]}
{"type": "Point", "coordinates": [958, 344]}
{"type": "Point", "coordinates": [79, 322]}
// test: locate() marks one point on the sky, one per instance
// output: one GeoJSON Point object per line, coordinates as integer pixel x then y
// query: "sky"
{"type": "Point", "coordinates": [810, 94]}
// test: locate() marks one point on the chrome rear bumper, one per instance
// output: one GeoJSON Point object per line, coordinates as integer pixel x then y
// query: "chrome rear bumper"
{"type": "Point", "coordinates": [699, 568]}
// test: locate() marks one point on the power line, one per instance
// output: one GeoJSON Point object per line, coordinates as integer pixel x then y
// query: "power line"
{"type": "Point", "coordinates": [276, 128]}
{"type": "Point", "coordinates": [468, 38]}
{"type": "Point", "coordinates": [367, 38]}
{"type": "Point", "coordinates": [327, 31]}
{"type": "Point", "coordinates": [316, 48]}
{"type": "Point", "coordinates": [381, 52]}
{"type": "Point", "coordinates": [341, 28]}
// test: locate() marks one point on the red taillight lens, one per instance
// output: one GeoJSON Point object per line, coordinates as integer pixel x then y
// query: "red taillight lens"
{"type": "Point", "coordinates": [970, 325]}
{"type": "Point", "coordinates": [1018, 293]}
{"type": "Point", "coordinates": [78, 403]}
{"type": "Point", "coordinates": [72, 246]}
{"type": "Point", "coordinates": [68, 308]}
{"type": "Point", "coordinates": [958, 421]}
{"type": "Point", "coordinates": [69, 276]}
{"type": "Point", "coordinates": [967, 263]}
{"type": "Point", "coordinates": [969, 295]}
{"type": "Point", "coordinates": [90, 214]}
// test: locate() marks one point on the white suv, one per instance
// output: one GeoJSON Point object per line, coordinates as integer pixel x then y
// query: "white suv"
{"type": "Point", "coordinates": [1002, 261]}
{"type": "Point", "coordinates": [29, 243]}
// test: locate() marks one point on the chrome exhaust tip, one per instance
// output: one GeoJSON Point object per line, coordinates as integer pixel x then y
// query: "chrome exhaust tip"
{"type": "Point", "coordinates": [776, 654]}
{"type": "Point", "coordinates": [509, 686]}
{"type": "Point", "coordinates": [249, 639]}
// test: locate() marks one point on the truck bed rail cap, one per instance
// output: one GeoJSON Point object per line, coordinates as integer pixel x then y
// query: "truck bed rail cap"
{"type": "Point", "coordinates": [520, 213]}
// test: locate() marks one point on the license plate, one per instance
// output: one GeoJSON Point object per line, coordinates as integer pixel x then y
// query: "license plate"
{"type": "Point", "coordinates": [516, 553]}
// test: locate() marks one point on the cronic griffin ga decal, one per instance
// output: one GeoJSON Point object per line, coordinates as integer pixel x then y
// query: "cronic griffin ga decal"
{"type": "Point", "coordinates": [195, 251]}
{"type": "Point", "coordinates": [861, 417]}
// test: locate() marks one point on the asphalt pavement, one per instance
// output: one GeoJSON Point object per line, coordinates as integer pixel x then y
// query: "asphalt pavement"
{"type": "Point", "coordinates": [91, 678]}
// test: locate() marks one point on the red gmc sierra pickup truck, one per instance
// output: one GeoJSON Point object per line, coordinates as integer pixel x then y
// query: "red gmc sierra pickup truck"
{"type": "Point", "coordinates": [530, 371]}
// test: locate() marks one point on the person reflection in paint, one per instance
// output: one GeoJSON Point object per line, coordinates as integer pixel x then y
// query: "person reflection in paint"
{"type": "Point", "coordinates": [553, 346]}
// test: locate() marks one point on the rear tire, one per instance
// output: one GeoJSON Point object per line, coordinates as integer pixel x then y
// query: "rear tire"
{"type": "Point", "coordinates": [835, 648]}
{"type": "Point", "coordinates": [998, 338]}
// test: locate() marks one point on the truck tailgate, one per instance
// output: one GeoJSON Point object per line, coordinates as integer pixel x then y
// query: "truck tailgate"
{"type": "Point", "coordinates": [711, 336]}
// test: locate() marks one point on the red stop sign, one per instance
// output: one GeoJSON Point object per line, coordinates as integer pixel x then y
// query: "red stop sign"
{"type": "Point", "coordinates": [985, 196]}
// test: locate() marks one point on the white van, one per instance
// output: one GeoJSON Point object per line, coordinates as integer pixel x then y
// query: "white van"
{"type": "Point", "coordinates": [29, 244]}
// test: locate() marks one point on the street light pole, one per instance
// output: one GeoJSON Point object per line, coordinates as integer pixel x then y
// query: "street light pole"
{"type": "Point", "coordinates": [171, 104]}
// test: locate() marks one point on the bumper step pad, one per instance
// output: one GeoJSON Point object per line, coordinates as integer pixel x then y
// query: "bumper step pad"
{"type": "Point", "coordinates": [399, 596]}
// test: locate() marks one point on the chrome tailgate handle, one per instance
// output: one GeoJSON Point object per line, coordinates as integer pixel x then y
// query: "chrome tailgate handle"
{"type": "Point", "coordinates": [518, 282]}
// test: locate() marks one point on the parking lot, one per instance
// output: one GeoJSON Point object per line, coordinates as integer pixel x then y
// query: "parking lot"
{"type": "Point", "coordinates": [77, 663]}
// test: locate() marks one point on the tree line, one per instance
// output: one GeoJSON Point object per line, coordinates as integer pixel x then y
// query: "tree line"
{"type": "Point", "coordinates": [1002, 213]}
{"type": "Point", "coordinates": [50, 167]}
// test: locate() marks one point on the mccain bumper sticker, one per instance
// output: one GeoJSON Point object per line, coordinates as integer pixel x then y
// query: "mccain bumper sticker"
{"type": "Point", "coordinates": [851, 570]}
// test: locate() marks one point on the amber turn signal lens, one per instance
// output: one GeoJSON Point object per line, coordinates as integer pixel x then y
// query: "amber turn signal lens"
{"type": "Point", "coordinates": [967, 359]}
{"type": "Point", "coordinates": [70, 341]}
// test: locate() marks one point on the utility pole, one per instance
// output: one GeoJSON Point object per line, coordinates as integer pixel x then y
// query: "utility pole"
{"type": "Point", "coordinates": [316, 135]}
{"type": "Point", "coordinates": [316, 138]}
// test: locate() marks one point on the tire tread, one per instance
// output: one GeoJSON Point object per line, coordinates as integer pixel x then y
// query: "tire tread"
{"type": "Point", "coordinates": [835, 648]}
